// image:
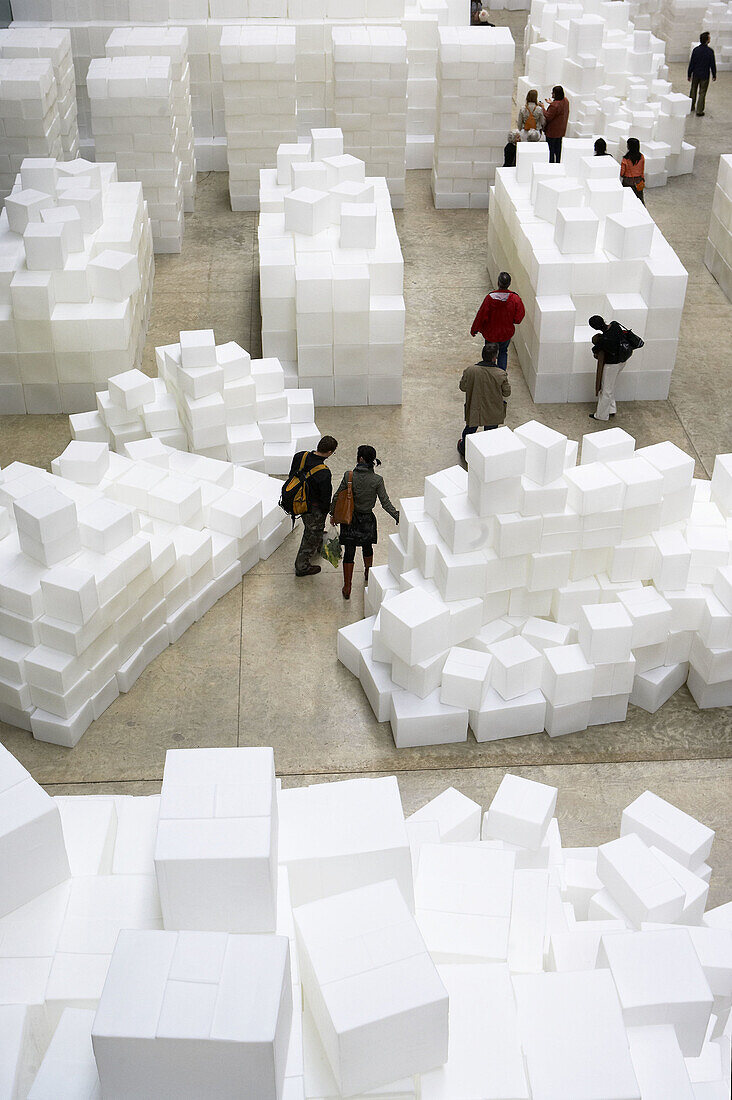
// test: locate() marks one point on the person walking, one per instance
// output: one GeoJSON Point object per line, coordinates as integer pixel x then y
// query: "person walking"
{"type": "Point", "coordinates": [496, 320]}
{"type": "Point", "coordinates": [309, 468]}
{"type": "Point", "coordinates": [531, 116]}
{"type": "Point", "coordinates": [701, 63]}
{"type": "Point", "coordinates": [487, 389]}
{"type": "Point", "coordinates": [633, 169]}
{"type": "Point", "coordinates": [362, 531]}
{"type": "Point", "coordinates": [612, 346]}
{"type": "Point", "coordinates": [556, 119]}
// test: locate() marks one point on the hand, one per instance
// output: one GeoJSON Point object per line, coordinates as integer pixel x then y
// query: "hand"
{"type": "Point", "coordinates": [332, 522]}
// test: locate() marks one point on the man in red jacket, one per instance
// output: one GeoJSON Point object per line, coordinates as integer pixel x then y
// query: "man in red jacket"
{"type": "Point", "coordinates": [498, 316]}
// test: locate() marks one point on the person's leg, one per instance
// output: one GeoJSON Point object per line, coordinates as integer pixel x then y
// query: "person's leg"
{"type": "Point", "coordinates": [349, 557]}
{"type": "Point", "coordinates": [312, 540]}
{"type": "Point", "coordinates": [489, 427]}
{"type": "Point", "coordinates": [503, 354]}
{"type": "Point", "coordinates": [461, 441]}
{"type": "Point", "coordinates": [368, 559]}
{"type": "Point", "coordinates": [606, 398]}
{"type": "Point", "coordinates": [693, 91]}
{"type": "Point", "coordinates": [559, 150]}
{"type": "Point", "coordinates": [701, 101]}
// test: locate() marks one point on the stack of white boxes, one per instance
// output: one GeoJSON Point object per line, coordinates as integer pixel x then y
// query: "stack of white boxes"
{"type": "Point", "coordinates": [133, 121]}
{"type": "Point", "coordinates": [474, 97]}
{"type": "Point", "coordinates": [530, 945]}
{"type": "Point", "coordinates": [30, 124]}
{"type": "Point", "coordinates": [258, 68]}
{"type": "Point", "coordinates": [578, 244]}
{"type": "Point", "coordinates": [370, 100]}
{"type": "Point", "coordinates": [331, 274]}
{"type": "Point", "coordinates": [718, 254]}
{"type": "Point", "coordinates": [615, 78]}
{"type": "Point", "coordinates": [718, 21]}
{"type": "Point", "coordinates": [55, 45]}
{"type": "Point", "coordinates": [109, 560]}
{"type": "Point", "coordinates": [423, 41]}
{"type": "Point", "coordinates": [215, 401]}
{"type": "Point", "coordinates": [532, 594]}
{"type": "Point", "coordinates": [679, 22]}
{"type": "Point", "coordinates": [169, 42]}
{"type": "Point", "coordinates": [76, 293]}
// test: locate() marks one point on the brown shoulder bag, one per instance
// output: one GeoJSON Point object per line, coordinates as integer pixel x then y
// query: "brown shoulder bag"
{"type": "Point", "coordinates": [343, 510]}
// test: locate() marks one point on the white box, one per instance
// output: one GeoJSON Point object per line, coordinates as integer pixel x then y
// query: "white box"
{"type": "Point", "coordinates": [520, 812]}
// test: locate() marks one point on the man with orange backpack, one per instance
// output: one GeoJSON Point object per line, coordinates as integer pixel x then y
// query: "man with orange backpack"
{"type": "Point", "coordinates": [306, 493]}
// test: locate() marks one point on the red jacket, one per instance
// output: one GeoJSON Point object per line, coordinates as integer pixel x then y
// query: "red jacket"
{"type": "Point", "coordinates": [556, 117]}
{"type": "Point", "coordinates": [498, 316]}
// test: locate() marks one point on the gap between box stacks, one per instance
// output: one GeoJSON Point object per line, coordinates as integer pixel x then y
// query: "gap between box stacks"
{"type": "Point", "coordinates": [531, 593]}
{"type": "Point", "coordinates": [331, 274]}
{"type": "Point", "coordinates": [228, 937]}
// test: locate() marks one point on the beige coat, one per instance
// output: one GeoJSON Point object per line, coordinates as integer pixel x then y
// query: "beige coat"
{"type": "Point", "coordinates": [486, 387]}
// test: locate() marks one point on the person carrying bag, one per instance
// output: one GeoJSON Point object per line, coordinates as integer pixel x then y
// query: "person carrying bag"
{"type": "Point", "coordinates": [353, 508]}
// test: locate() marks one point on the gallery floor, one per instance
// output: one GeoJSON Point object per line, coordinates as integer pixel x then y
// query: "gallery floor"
{"type": "Point", "coordinates": [261, 668]}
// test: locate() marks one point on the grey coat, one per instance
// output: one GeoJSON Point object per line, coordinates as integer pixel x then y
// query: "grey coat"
{"type": "Point", "coordinates": [367, 486]}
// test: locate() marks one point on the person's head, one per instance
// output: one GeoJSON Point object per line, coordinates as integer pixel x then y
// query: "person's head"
{"type": "Point", "coordinates": [705, 38]}
{"type": "Point", "coordinates": [504, 280]}
{"type": "Point", "coordinates": [327, 446]}
{"type": "Point", "coordinates": [600, 147]}
{"type": "Point", "coordinates": [597, 323]}
{"type": "Point", "coordinates": [366, 454]}
{"type": "Point", "coordinates": [513, 137]}
{"type": "Point", "coordinates": [634, 150]}
{"type": "Point", "coordinates": [532, 98]}
{"type": "Point", "coordinates": [533, 135]}
{"type": "Point", "coordinates": [490, 353]}
{"type": "Point", "coordinates": [557, 92]}
{"type": "Point", "coordinates": [483, 16]}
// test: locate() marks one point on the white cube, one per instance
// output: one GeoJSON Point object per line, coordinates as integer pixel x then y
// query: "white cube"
{"type": "Point", "coordinates": [520, 812]}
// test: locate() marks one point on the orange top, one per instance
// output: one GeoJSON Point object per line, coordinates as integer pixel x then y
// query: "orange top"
{"type": "Point", "coordinates": [633, 171]}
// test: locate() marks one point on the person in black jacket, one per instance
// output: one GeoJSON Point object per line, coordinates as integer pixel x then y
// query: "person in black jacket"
{"type": "Point", "coordinates": [701, 64]}
{"type": "Point", "coordinates": [320, 489]}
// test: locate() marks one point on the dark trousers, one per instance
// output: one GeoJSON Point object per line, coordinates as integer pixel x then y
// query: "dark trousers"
{"type": "Point", "coordinates": [349, 551]}
{"type": "Point", "coordinates": [555, 150]}
{"type": "Point", "coordinates": [312, 540]}
{"type": "Point", "coordinates": [470, 431]}
{"type": "Point", "coordinates": [698, 88]}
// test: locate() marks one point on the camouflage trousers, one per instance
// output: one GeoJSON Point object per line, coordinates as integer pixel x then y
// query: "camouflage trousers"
{"type": "Point", "coordinates": [312, 539]}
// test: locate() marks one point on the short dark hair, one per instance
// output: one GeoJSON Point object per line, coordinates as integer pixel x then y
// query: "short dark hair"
{"type": "Point", "coordinates": [704, 37]}
{"type": "Point", "coordinates": [597, 322]}
{"type": "Point", "coordinates": [503, 280]}
{"type": "Point", "coordinates": [558, 91]}
{"type": "Point", "coordinates": [600, 146]}
{"type": "Point", "coordinates": [327, 445]}
{"type": "Point", "coordinates": [490, 353]}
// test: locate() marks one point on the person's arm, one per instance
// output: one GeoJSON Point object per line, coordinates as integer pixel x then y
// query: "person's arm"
{"type": "Point", "coordinates": [691, 64]}
{"type": "Point", "coordinates": [386, 504]}
{"type": "Point", "coordinates": [480, 317]}
{"type": "Point", "coordinates": [550, 110]}
{"type": "Point", "coordinates": [714, 64]}
{"type": "Point", "coordinates": [623, 168]}
{"type": "Point", "coordinates": [506, 387]}
{"type": "Point", "coordinates": [343, 484]}
{"type": "Point", "coordinates": [519, 310]}
{"type": "Point", "coordinates": [600, 370]}
{"type": "Point", "coordinates": [464, 382]}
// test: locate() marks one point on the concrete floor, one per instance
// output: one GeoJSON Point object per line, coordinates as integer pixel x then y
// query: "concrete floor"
{"type": "Point", "coordinates": [219, 685]}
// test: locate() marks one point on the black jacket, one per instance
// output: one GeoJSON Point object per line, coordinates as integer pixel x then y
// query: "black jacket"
{"type": "Point", "coordinates": [702, 62]}
{"type": "Point", "coordinates": [320, 485]}
{"type": "Point", "coordinates": [609, 342]}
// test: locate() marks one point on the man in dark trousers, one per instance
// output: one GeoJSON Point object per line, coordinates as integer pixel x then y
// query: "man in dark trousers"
{"type": "Point", "coordinates": [496, 320]}
{"type": "Point", "coordinates": [487, 389]}
{"type": "Point", "coordinates": [701, 64]}
{"type": "Point", "coordinates": [320, 491]}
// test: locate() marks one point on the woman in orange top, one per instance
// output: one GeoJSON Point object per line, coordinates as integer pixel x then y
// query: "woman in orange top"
{"type": "Point", "coordinates": [633, 169]}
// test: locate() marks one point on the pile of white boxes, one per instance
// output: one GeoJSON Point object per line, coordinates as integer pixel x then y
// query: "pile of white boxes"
{"type": "Point", "coordinates": [331, 274]}
{"type": "Point", "coordinates": [370, 100]}
{"type": "Point", "coordinates": [531, 593]}
{"type": "Point", "coordinates": [30, 124]}
{"type": "Point", "coordinates": [228, 938]}
{"type": "Point", "coordinates": [107, 561]}
{"type": "Point", "coordinates": [216, 401]}
{"type": "Point", "coordinates": [169, 42]}
{"type": "Point", "coordinates": [474, 97]}
{"type": "Point", "coordinates": [258, 68]}
{"type": "Point", "coordinates": [76, 289]}
{"type": "Point", "coordinates": [54, 45]}
{"type": "Point", "coordinates": [134, 126]}
{"type": "Point", "coordinates": [679, 22]}
{"type": "Point", "coordinates": [718, 253]}
{"type": "Point", "coordinates": [616, 81]}
{"type": "Point", "coordinates": [718, 21]}
{"type": "Point", "coordinates": [578, 244]}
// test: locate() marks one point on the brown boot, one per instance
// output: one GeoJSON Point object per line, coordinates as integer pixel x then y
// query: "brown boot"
{"type": "Point", "coordinates": [347, 577]}
{"type": "Point", "coordinates": [367, 563]}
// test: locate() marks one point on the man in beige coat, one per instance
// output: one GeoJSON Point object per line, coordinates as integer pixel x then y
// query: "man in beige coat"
{"type": "Point", "coordinates": [486, 388]}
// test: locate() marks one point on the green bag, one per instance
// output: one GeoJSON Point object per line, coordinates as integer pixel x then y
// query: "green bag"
{"type": "Point", "coordinates": [332, 551]}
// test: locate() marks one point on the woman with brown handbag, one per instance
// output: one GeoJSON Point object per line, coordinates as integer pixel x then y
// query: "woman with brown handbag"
{"type": "Point", "coordinates": [353, 508]}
